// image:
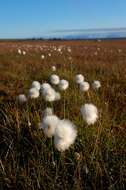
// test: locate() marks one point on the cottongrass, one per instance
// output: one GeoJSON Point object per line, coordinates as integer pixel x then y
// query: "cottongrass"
{"type": "Point", "coordinates": [59, 49]}
{"type": "Point", "coordinates": [54, 79]}
{"type": "Point", "coordinates": [48, 111]}
{"type": "Point", "coordinates": [96, 85]}
{"type": "Point", "coordinates": [36, 84]}
{"type": "Point", "coordinates": [24, 52]}
{"type": "Point", "coordinates": [53, 68]}
{"type": "Point", "coordinates": [79, 78]}
{"type": "Point", "coordinates": [84, 86]}
{"type": "Point", "coordinates": [65, 135]}
{"type": "Point", "coordinates": [49, 94]}
{"type": "Point", "coordinates": [64, 131]}
{"type": "Point", "coordinates": [42, 57]}
{"type": "Point", "coordinates": [44, 86]}
{"type": "Point", "coordinates": [63, 84]}
{"type": "Point", "coordinates": [69, 49]}
{"type": "Point", "coordinates": [57, 96]}
{"type": "Point", "coordinates": [19, 51]}
{"type": "Point", "coordinates": [89, 113]}
{"type": "Point", "coordinates": [21, 98]}
{"type": "Point", "coordinates": [49, 123]}
{"type": "Point", "coordinates": [33, 93]}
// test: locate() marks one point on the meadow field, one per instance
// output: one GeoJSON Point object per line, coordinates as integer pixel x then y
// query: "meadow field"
{"type": "Point", "coordinates": [96, 158]}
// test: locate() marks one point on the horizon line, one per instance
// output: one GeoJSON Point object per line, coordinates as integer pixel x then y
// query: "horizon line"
{"type": "Point", "coordinates": [44, 34]}
{"type": "Point", "coordinates": [88, 30]}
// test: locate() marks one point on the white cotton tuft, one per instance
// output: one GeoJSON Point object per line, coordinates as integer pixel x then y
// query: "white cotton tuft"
{"type": "Point", "coordinates": [42, 57]}
{"type": "Point", "coordinates": [21, 98]}
{"type": "Point", "coordinates": [53, 68]}
{"type": "Point", "coordinates": [54, 79]}
{"type": "Point", "coordinates": [96, 85]}
{"type": "Point", "coordinates": [36, 84]}
{"type": "Point", "coordinates": [19, 51]}
{"type": "Point", "coordinates": [49, 94]}
{"type": "Point", "coordinates": [45, 86]}
{"type": "Point", "coordinates": [84, 86]}
{"type": "Point", "coordinates": [79, 78]}
{"type": "Point", "coordinates": [33, 93]}
{"type": "Point", "coordinates": [69, 49]}
{"type": "Point", "coordinates": [89, 113]}
{"type": "Point", "coordinates": [24, 52]}
{"type": "Point", "coordinates": [63, 84]}
{"type": "Point", "coordinates": [49, 124]}
{"type": "Point", "coordinates": [48, 111]}
{"type": "Point", "coordinates": [65, 135]}
{"type": "Point", "coordinates": [57, 96]}
{"type": "Point", "coordinates": [59, 49]}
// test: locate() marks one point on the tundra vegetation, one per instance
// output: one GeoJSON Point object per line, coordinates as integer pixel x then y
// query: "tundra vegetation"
{"type": "Point", "coordinates": [63, 115]}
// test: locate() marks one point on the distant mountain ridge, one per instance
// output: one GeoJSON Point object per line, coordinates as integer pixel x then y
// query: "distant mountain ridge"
{"type": "Point", "coordinates": [88, 34]}
{"type": "Point", "coordinates": [78, 34]}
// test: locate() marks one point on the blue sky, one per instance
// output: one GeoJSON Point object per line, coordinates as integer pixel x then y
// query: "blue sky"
{"type": "Point", "coordinates": [33, 18]}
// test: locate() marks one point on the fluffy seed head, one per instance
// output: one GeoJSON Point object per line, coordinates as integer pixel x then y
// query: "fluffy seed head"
{"type": "Point", "coordinates": [49, 124]}
{"type": "Point", "coordinates": [19, 51]}
{"type": "Point", "coordinates": [45, 86]}
{"type": "Point", "coordinates": [49, 94]}
{"type": "Point", "coordinates": [42, 57]}
{"type": "Point", "coordinates": [54, 79]}
{"type": "Point", "coordinates": [89, 113]}
{"type": "Point", "coordinates": [48, 111]}
{"type": "Point", "coordinates": [33, 93]}
{"type": "Point", "coordinates": [57, 96]}
{"type": "Point", "coordinates": [79, 78]}
{"type": "Point", "coordinates": [96, 85]}
{"type": "Point", "coordinates": [59, 49]}
{"type": "Point", "coordinates": [65, 135]}
{"type": "Point", "coordinates": [69, 49]}
{"type": "Point", "coordinates": [36, 84]}
{"type": "Point", "coordinates": [53, 68]}
{"type": "Point", "coordinates": [24, 52]}
{"type": "Point", "coordinates": [63, 84]}
{"type": "Point", "coordinates": [21, 98]}
{"type": "Point", "coordinates": [84, 86]}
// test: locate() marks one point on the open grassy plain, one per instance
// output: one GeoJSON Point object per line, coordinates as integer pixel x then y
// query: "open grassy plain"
{"type": "Point", "coordinates": [97, 159]}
